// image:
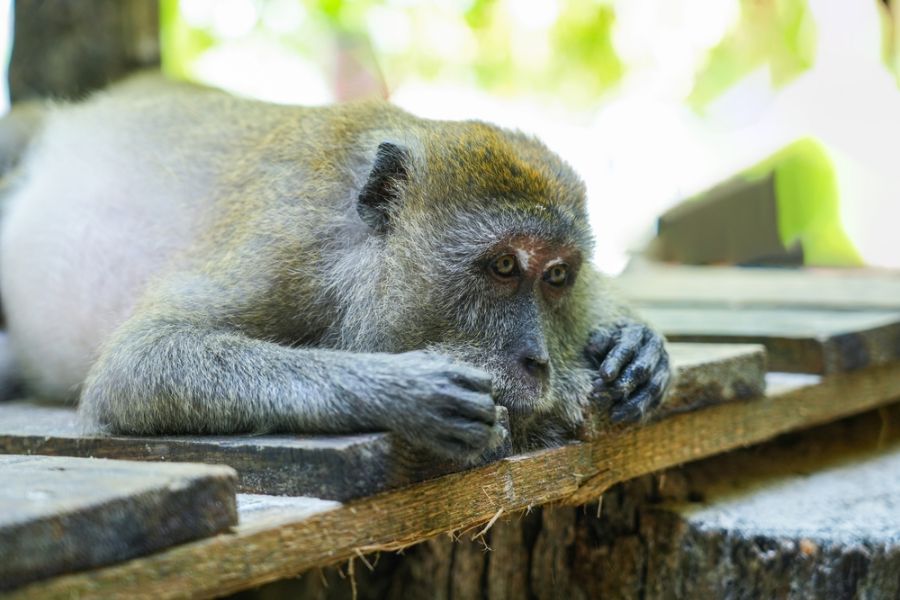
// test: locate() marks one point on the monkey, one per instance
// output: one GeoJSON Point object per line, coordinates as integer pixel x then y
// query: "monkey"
{"type": "Point", "coordinates": [178, 260]}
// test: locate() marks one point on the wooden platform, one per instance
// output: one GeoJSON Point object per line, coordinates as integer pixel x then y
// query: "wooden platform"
{"type": "Point", "coordinates": [59, 515]}
{"type": "Point", "coordinates": [797, 340]}
{"type": "Point", "coordinates": [281, 537]}
{"type": "Point", "coordinates": [651, 284]}
{"type": "Point", "coordinates": [810, 320]}
{"type": "Point", "coordinates": [343, 467]}
{"type": "Point", "coordinates": [336, 513]}
{"type": "Point", "coordinates": [816, 513]}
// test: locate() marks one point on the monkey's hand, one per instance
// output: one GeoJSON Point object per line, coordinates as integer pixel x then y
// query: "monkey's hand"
{"type": "Point", "coordinates": [448, 407]}
{"type": "Point", "coordinates": [632, 367]}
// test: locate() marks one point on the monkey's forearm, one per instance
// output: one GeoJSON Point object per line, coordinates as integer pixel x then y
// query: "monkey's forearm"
{"type": "Point", "coordinates": [175, 378]}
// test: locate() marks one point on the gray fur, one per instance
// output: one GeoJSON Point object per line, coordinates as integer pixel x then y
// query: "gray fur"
{"type": "Point", "coordinates": [328, 272]}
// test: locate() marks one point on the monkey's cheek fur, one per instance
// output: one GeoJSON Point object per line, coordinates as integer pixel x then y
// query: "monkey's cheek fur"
{"type": "Point", "coordinates": [520, 396]}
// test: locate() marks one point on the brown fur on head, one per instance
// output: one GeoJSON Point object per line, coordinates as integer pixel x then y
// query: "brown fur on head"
{"type": "Point", "coordinates": [443, 210]}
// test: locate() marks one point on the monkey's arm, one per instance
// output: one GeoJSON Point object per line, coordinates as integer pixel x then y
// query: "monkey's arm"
{"type": "Point", "coordinates": [169, 377]}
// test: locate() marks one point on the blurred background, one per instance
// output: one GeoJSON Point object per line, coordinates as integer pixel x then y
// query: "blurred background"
{"type": "Point", "coordinates": [708, 132]}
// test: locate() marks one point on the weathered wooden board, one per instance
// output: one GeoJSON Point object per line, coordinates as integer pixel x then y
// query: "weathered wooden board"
{"type": "Point", "coordinates": [341, 467]}
{"type": "Point", "coordinates": [708, 374]}
{"type": "Point", "coordinates": [804, 341]}
{"type": "Point", "coordinates": [278, 545]}
{"type": "Point", "coordinates": [336, 467]}
{"type": "Point", "coordinates": [61, 514]}
{"type": "Point", "coordinates": [653, 284]}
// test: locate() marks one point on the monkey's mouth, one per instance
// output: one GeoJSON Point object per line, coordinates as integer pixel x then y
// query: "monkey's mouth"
{"type": "Point", "coordinates": [521, 394]}
{"type": "Point", "coordinates": [522, 397]}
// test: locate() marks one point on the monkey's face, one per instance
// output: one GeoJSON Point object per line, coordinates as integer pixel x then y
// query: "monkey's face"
{"type": "Point", "coordinates": [500, 297]}
{"type": "Point", "coordinates": [482, 234]}
{"type": "Point", "coordinates": [525, 280]}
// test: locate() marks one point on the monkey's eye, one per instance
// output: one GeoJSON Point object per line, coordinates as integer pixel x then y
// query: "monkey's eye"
{"type": "Point", "coordinates": [557, 274]}
{"type": "Point", "coordinates": [505, 266]}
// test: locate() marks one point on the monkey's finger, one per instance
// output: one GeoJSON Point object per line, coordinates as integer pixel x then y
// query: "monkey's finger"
{"type": "Point", "coordinates": [599, 343]}
{"type": "Point", "coordinates": [499, 433]}
{"type": "Point", "coordinates": [600, 395]}
{"type": "Point", "coordinates": [450, 437]}
{"type": "Point", "coordinates": [471, 405]}
{"type": "Point", "coordinates": [472, 379]}
{"type": "Point", "coordinates": [642, 367]}
{"type": "Point", "coordinates": [474, 436]}
{"type": "Point", "coordinates": [645, 399]}
{"type": "Point", "coordinates": [446, 446]}
{"type": "Point", "coordinates": [629, 342]}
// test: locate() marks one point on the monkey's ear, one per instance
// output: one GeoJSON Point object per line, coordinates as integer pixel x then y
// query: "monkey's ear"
{"type": "Point", "coordinates": [383, 188]}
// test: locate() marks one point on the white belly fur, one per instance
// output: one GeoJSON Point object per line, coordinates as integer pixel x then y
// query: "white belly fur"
{"type": "Point", "coordinates": [93, 219]}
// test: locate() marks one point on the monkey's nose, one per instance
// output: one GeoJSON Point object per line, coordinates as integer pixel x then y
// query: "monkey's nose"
{"type": "Point", "coordinates": [536, 365]}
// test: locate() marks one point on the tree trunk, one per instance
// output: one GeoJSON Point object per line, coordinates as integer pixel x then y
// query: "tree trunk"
{"type": "Point", "coordinates": [65, 49]}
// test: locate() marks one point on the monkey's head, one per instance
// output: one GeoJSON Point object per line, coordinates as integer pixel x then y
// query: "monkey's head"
{"type": "Point", "coordinates": [482, 239]}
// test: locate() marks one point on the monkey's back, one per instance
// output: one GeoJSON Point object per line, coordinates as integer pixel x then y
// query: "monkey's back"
{"type": "Point", "coordinates": [109, 193]}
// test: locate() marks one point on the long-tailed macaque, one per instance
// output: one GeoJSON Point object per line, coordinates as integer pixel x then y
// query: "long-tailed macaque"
{"type": "Point", "coordinates": [184, 261]}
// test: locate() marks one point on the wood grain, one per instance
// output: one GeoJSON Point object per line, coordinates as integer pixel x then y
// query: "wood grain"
{"type": "Point", "coordinates": [707, 374]}
{"type": "Point", "coordinates": [343, 467]}
{"type": "Point", "coordinates": [333, 467]}
{"type": "Point", "coordinates": [60, 514]}
{"type": "Point", "coordinates": [818, 515]}
{"type": "Point", "coordinates": [274, 547]}
{"type": "Point", "coordinates": [797, 340]}
{"type": "Point", "coordinates": [655, 284]}
{"type": "Point", "coordinates": [814, 512]}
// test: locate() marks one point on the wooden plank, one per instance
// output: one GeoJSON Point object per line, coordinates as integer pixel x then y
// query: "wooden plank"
{"type": "Point", "coordinates": [341, 467]}
{"type": "Point", "coordinates": [336, 467]}
{"type": "Point", "coordinates": [803, 340]}
{"type": "Point", "coordinates": [282, 546]}
{"type": "Point", "coordinates": [60, 514]}
{"type": "Point", "coordinates": [707, 374]}
{"type": "Point", "coordinates": [654, 284]}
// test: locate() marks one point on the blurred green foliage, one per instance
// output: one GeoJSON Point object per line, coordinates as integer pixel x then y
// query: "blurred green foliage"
{"type": "Point", "coordinates": [559, 47]}
{"type": "Point", "coordinates": [807, 195]}
{"type": "Point", "coordinates": [779, 34]}
{"type": "Point", "coordinates": [560, 50]}
{"type": "Point", "coordinates": [564, 49]}
{"type": "Point", "coordinates": [181, 43]}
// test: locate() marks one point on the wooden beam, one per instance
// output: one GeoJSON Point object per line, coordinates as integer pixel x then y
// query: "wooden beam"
{"type": "Point", "coordinates": [59, 515]}
{"type": "Point", "coordinates": [797, 340]}
{"type": "Point", "coordinates": [654, 284]}
{"type": "Point", "coordinates": [343, 467]}
{"type": "Point", "coordinates": [274, 545]}
{"type": "Point", "coordinates": [642, 541]}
